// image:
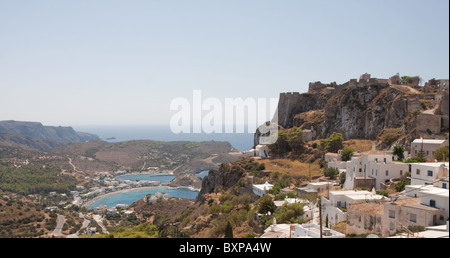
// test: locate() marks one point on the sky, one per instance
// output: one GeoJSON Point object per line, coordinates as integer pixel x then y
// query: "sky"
{"type": "Point", "coordinates": [111, 62]}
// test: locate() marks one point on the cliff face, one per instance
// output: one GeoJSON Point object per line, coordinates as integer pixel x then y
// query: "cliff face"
{"type": "Point", "coordinates": [364, 113]}
{"type": "Point", "coordinates": [224, 177]}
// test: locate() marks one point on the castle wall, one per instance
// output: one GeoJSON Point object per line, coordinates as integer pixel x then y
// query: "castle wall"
{"type": "Point", "coordinates": [430, 122]}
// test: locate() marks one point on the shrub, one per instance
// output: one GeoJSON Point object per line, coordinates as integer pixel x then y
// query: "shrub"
{"type": "Point", "coordinates": [347, 153]}
{"type": "Point", "coordinates": [331, 173]}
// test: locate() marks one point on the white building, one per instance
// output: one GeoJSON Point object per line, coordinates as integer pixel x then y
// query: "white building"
{"type": "Point", "coordinates": [429, 146]}
{"type": "Point", "coordinates": [261, 190]}
{"type": "Point", "coordinates": [299, 231]}
{"type": "Point", "coordinates": [430, 196]}
{"type": "Point", "coordinates": [262, 151]}
{"type": "Point", "coordinates": [314, 188]}
{"type": "Point", "coordinates": [339, 201]}
{"type": "Point", "coordinates": [313, 231]}
{"type": "Point", "coordinates": [428, 173]}
{"type": "Point", "coordinates": [374, 164]}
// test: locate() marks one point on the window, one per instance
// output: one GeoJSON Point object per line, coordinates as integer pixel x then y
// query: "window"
{"type": "Point", "coordinates": [433, 203]}
{"type": "Point", "coordinates": [339, 204]}
{"type": "Point", "coordinates": [384, 160]}
{"type": "Point", "coordinates": [444, 185]}
{"type": "Point", "coordinates": [413, 218]}
{"type": "Point", "coordinates": [401, 172]}
{"type": "Point", "coordinates": [387, 172]}
{"type": "Point", "coordinates": [391, 214]}
{"type": "Point", "coordinates": [391, 226]}
{"type": "Point", "coordinates": [417, 171]}
{"type": "Point", "coordinates": [430, 172]}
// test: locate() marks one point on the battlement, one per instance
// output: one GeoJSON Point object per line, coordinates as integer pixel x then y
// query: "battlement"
{"type": "Point", "coordinates": [365, 80]}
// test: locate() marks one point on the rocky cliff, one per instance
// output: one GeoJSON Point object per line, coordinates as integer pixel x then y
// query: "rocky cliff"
{"type": "Point", "coordinates": [224, 177]}
{"type": "Point", "coordinates": [361, 110]}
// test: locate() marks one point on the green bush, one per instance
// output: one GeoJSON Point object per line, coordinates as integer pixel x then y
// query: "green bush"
{"type": "Point", "coordinates": [331, 173]}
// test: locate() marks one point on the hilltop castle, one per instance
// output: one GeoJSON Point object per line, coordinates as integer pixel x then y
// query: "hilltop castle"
{"type": "Point", "coordinates": [363, 108]}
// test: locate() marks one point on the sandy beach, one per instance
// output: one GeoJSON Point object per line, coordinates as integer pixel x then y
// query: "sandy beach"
{"type": "Point", "coordinates": [86, 204]}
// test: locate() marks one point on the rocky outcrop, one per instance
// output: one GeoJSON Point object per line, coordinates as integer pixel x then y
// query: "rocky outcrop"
{"type": "Point", "coordinates": [364, 113]}
{"type": "Point", "coordinates": [224, 177]}
{"type": "Point", "coordinates": [364, 109]}
{"type": "Point", "coordinates": [186, 180]}
{"type": "Point", "coordinates": [361, 111]}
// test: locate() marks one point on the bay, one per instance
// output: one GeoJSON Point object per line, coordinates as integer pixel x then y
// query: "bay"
{"type": "Point", "coordinates": [135, 195]}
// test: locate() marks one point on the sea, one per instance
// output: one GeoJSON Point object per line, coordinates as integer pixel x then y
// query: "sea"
{"type": "Point", "coordinates": [241, 142]}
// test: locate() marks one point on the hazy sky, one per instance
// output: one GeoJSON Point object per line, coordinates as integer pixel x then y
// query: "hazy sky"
{"type": "Point", "coordinates": [89, 62]}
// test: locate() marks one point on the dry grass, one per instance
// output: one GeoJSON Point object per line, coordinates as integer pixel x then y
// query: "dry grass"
{"type": "Point", "coordinates": [359, 145]}
{"type": "Point", "coordinates": [291, 167]}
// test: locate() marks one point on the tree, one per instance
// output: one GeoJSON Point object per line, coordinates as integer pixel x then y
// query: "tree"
{"type": "Point", "coordinates": [442, 154]}
{"type": "Point", "coordinates": [296, 139]}
{"type": "Point", "coordinates": [342, 178]}
{"type": "Point", "coordinates": [289, 213]}
{"type": "Point", "coordinates": [228, 230]}
{"type": "Point", "coordinates": [421, 156]}
{"type": "Point", "coordinates": [347, 153]}
{"type": "Point", "coordinates": [399, 152]}
{"type": "Point", "coordinates": [334, 143]}
{"type": "Point", "coordinates": [266, 204]}
{"type": "Point", "coordinates": [331, 173]}
{"type": "Point", "coordinates": [281, 145]}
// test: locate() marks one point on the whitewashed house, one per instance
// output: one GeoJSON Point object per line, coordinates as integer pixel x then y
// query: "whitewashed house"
{"type": "Point", "coordinates": [261, 190]}
{"type": "Point", "coordinates": [335, 206]}
{"type": "Point", "coordinates": [431, 196]}
{"type": "Point", "coordinates": [313, 231]}
{"type": "Point", "coordinates": [262, 151]}
{"type": "Point", "coordinates": [428, 173]}
{"type": "Point", "coordinates": [374, 164]}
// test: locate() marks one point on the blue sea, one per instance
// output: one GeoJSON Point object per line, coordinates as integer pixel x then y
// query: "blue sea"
{"type": "Point", "coordinates": [240, 142]}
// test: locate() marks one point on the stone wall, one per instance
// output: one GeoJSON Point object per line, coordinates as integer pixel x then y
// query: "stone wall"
{"type": "Point", "coordinates": [366, 182]}
{"type": "Point", "coordinates": [429, 123]}
{"type": "Point", "coordinates": [365, 218]}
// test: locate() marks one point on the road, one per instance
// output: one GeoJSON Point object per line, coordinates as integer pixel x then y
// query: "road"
{"type": "Point", "coordinates": [60, 223]}
{"type": "Point", "coordinates": [99, 221]}
{"type": "Point", "coordinates": [74, 168]}
{"type": "Point", "coordinates": [86, 222]}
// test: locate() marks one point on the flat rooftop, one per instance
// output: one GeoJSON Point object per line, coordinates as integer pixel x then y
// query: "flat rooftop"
{"type": "Point", "coordinates": [429, 141]}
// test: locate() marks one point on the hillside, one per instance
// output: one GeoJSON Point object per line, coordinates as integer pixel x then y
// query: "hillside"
{"type": "Point", "coordinates": [141, 155]}
{"type": "Point", "coordinates": [34, 135]}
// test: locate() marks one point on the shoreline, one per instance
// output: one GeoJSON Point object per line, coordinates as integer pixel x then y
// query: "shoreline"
{"type": "Point", "coordinates": [96, 198]}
